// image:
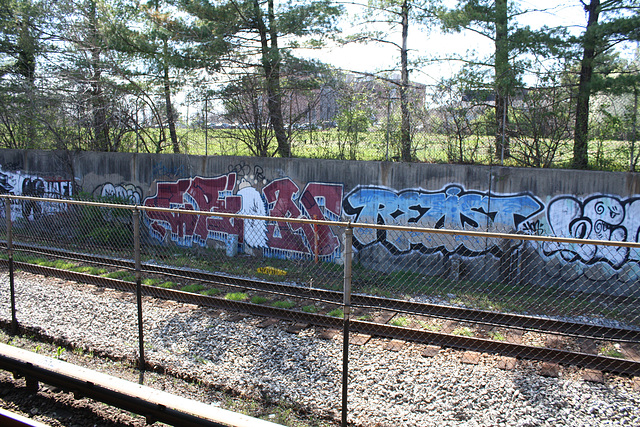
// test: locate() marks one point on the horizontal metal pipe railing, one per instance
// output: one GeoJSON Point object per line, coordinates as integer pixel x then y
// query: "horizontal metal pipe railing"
{"type": "Point", "coordinates": [344, 224]}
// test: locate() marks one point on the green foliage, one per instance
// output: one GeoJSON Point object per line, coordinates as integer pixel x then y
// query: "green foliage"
{"type": "Point", "coordinates": [60, 352]}
{"type": "Point", "coordinates": [336, 313]}
{"type": "Point", "coordinates": [110, 227]}
{"type": "Point", "coordinates": [496, 336]}
{"type": "Point", "coordinates": [429, 326]}
{"type": "Point", "coordinates": [284, 304]}
{"type": "Point", "coordinates": [463, 331]}
{"type": "Point", "coordinates": [168, 285]}
{"type": "Point", "coordinates": [211, 292]}
{"type": "Point", "coordinates": [400, 321]}
{"type": "Point", "coordinates": [610, 350]}
{"type": "Point", "coordinates": [258, 299]}
{"type": "Point", "coordinates": [193, 288]}
{"type": "Point", "coordinates": [125, 275]}
{"type": "Point", "coordinates": [236, 296]}
{"type": "Point", "coordinates": [310, 309]}
{"type": "Point", "coordinates": [96, 271]}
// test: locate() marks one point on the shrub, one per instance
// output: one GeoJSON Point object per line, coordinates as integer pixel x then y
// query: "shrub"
{"type": "Point", "coordinates": [193, 288]}
{"type": "Point", "coordinates": [310, 309]}
{"type": "Point", "coordinates": [258, 299]}
{"type": "Point", "coordinates": [284, 304]}
{"type": "Point", "coordinates": [236, 296]}
{"type": "Point", "coordinates": [336, 313]}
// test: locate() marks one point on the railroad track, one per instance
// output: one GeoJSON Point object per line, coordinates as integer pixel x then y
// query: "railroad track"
{"type": "Point", "coordinates": [363, 304]}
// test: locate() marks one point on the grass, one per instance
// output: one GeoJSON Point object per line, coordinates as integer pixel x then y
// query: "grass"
{"type": "Point", "coordinates": [194, 288]}
{"type": "Point", "coordinates": [211, 292]}
{"type": "Point", "coordinates": [236, 296]}
{"type": "Point", "coordinates": [258, 299]}
{"type": "Point", "coordinates": [310, 309]}
{"type": "Point", "coordinates": [429, 327]}
{"type": "Point", "coordinates": [429, 147]}
{"type": "Point", "coordinates": [610, 350]}
{"type": "Point", "coordinates": [336, 313]}
{"type": "Point", "coordinates": [127, 276]}
{"type": "Point", "coordinates": [400, 321]}
{"type": "Point", "coordinates": [284, 304]}
{"type": "Point", "coordinates": [168, 285]}
{"type": "Point", "coordinates": [95, 271]}
{"type": "Point", "coordinates": [464, 332]}
{"type": "Point", "coordinates": [497, 336]}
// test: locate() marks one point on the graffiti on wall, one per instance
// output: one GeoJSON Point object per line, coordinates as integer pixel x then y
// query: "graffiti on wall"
{"type": "Point", "coordinates": [596, 218]}
{"type": "Point", "coordinates": [173, 172]}
{"type": "Point", "coordinates": [246, 190]}
{"type": "Point", "coordinates": [22, 184]}
{"type": "Point", "coordinates": [453, 207]}
{"type": "Point", "coordinates": [128, 193]}
{"type": "Point", "coordinates": [245, 172]}
{"type": "Point", "coordinates": [317, 200]}
{"type": "Point", "coordinates": [228, 194]}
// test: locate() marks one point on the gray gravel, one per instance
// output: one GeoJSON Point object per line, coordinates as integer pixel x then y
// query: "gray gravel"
{"type": "Point", "coordinates": [386, 388]}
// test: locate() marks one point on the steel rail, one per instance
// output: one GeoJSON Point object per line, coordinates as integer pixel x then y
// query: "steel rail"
{"type": "Point", "coordinates": [585, 360]}
{"type": "Point", "coordinates": [485, 317]}
{"type": "Point", "coordinates": [153, 404]}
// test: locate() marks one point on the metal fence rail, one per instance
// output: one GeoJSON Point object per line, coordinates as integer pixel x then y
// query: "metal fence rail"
{"type": "Point", "coordinates": [575, 298]}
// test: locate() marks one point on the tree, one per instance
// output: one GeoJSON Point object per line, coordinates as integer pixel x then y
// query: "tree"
{"type": "Point", "coordinates": [460, 118]}
{"type": "Point", "coordinates": [264, 35]}
{"type": "Point", "coordinates": [161, 42]}
{"type": "Point", "coordinates": [399, 14]}
{"type": "Point", "coordinates": [354, 114]}
{"type": "Point", "coordinates": [20, 47]}
{"type": "Point", "coordinates": [541, 123]}
{"type": "Point", "coordinates": [491, 19]}
{"type": "Point", "coordinates": [609, 23]}
{"type": "Point", "coordinates": [614, 107]}
{"type": "Point", "coordinates": [245, 104]}
{"type": "Point", "coordinates": [85, 74]}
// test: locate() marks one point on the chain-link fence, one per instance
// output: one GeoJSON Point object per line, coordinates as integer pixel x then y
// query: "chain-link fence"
{"type": "Point", "coordinates": [551, 298]}
{"type": "Point", "coordinates": [363, 120]}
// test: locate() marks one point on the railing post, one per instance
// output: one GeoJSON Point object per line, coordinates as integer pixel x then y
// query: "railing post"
{"type": "Point", "coordinates": [348, 248]}
{"type": "Point", "coordinates": [315, 239]}
{"type": "Point", "coordinates": [14, 319]}
{"type": "Point", "coordinates": [138, 273]}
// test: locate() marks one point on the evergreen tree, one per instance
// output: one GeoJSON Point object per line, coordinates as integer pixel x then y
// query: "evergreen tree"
{"type": "Point", "coordinates": [400, 14]}
{"type": "Point", "coordinates": [609, 23]}
{"type": "Point", "coordinates": [264, 35]}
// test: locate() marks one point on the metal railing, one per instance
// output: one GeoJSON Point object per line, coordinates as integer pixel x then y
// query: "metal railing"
{"type": "Point", "coordinates": [578, 300]}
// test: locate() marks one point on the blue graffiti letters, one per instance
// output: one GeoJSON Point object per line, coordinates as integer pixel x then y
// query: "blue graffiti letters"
{"type": "Point", "coordinates": [597, 218]}
{"type": "Point", "coordinates": [452, 208]}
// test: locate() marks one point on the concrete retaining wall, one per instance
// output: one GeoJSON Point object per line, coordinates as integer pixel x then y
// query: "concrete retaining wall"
{"type": "Point", "coordinates": [595, 205]}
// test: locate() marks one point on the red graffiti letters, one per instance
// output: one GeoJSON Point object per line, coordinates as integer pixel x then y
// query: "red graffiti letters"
{"type": "Point", "coordinates": [318, 201]}
{"type": "Point", "coordinates": [203, 194]}
{"type": "Point", "coordinates": [280, 198]}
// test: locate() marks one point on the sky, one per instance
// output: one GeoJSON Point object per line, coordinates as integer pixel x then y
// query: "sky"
{"type": "Point", "coordinates": [369, 58]}
{"type": "Point", "coordinates": [375, 57]}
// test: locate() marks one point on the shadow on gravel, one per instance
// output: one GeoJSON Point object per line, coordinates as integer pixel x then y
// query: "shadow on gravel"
{"type": "Point", "coordinates": [269, 364]}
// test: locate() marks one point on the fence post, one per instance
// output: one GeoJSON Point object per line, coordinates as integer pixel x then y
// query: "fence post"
{"type": "Point", "coordinates": [348, 247]}
{"type": "Point", "coordinates": [138, 272]}
{"type": "Point", "coordinates": [14, 320]}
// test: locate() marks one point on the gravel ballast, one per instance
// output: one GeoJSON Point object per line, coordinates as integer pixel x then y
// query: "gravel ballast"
{"type": "Point", "coordinates": [387, 388]}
